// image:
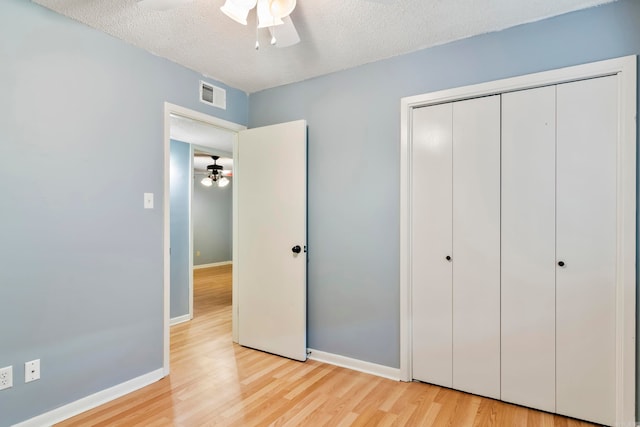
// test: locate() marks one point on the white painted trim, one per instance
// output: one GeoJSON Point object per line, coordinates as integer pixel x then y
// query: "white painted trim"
{"type": "Point", "coordinates": [180, 319]}
{"type": "Point", "coordinates": [626, 270]}
{"type": "Point", "coordinates": [166, 241]}
{"type": "Point", "coordinates": [87, 403]}
{"type": "Point", "coordinates": [213, 264]}
{"type": "Point", "coordinates": [626, 286]}
{"type": "Point", "coordinates": [190, 221]}
{"type": "Point", "coordinates": [354, 364]}
{"type": "Point", "coordinates": [405, 243]}
{"type": "Point", "coordinates": [213, 121]}
{"type": "Point", "coordinates": [235, 235]}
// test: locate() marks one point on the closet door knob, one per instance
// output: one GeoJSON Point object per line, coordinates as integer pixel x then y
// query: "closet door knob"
{"type": "Point", "coordinates": [561, 263]}
{"type": "Point", "coordinates": [448, 258]}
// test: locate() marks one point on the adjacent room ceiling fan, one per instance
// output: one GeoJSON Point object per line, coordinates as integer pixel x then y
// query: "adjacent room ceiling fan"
{"type": "Point", "coordinates": [271, 14]}
{"type": "Point", "coordinates": [216, 174]}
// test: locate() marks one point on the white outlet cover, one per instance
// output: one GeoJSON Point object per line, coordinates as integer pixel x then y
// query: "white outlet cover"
{"type": "Point", "coordinates": [6, 377]}
{"type": "Point", "coordinates": [32, 371]}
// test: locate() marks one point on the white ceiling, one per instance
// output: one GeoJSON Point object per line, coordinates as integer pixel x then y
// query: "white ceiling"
{"type": "Point", "coordinates": [199, 133]}
{"type": "Point", "coordinates": [208, 138]}
{"type": "Point", "coordinates": [336, 34]}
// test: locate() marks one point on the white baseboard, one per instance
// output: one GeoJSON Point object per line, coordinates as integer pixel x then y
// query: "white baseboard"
{"type": "Point", "coordinates": [179, 319]}
{"type": "Point", "coordinates": [214, 264]}
{"type": "Point", "coordinates": [86, 403]}
{"type": "Point", "coordinates": [355, 364]}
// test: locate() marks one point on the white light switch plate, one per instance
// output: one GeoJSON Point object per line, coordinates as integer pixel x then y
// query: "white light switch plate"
{"type": "Point", "coordinates": [148, 200]}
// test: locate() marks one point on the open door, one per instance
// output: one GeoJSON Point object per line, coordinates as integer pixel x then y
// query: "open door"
{"type": "Point", "coordinates": [271, 180]}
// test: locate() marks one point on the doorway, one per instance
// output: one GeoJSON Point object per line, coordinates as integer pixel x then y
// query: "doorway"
{"type": "Point", "coordinates": [206, 134]}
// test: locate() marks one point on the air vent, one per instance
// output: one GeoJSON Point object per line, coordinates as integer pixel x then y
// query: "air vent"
{"type": "Point", "coordinates": [213, 95]}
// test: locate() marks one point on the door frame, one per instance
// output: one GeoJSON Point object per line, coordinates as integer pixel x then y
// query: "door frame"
{"type": "Point", "coordinates": [625, 68]}
{"type": "Point", "coordinates": [166, 240]}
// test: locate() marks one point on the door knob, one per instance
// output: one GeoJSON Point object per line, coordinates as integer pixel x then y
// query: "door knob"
{"type": "Point", "coordinates": [561, 263]}
{"type": "Point", "coordinates": [448, 257]}
{"type": "Point", "coordinates": [296, 249]}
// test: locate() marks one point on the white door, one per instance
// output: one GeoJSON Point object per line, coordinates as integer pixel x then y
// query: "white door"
{"type": "Point", "coordinates": [528, 367]}
{"type": "Point", "coordinates": [455, 244]}
{"type": "Point", "coordinates": [271, 180]}
{"type": "Point", "coordinates": [587, 117]}
{"type": "Point", "coordinates": [431, 244]}
{"type": "Point", "coordinates": [476, 246]}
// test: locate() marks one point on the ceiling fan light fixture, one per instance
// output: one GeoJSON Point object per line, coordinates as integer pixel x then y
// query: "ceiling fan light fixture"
{"type": "Point", "coordinates": [265, 18]}
{"type": "Point", "coordinates": [238, 10]}
{"type": "Point", "coordinates": [281, 8]}
{"type": "Point", "coordinates": [270, 14]}
{"type": "Point", "coordinates": [206, 181]}
{"type": "Point", "coordinates": [223, 182]}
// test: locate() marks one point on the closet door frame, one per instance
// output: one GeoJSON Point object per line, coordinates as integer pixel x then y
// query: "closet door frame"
{"type": "Point", "coordinates": [625, 68]}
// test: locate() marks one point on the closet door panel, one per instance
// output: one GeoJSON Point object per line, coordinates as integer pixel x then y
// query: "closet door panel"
{"type": "Point", "coordinates": [431, 244]}
{"type": "Point", "coordinates": [476, 246]}
{"type": "Point", "coordinates": [586, 243]}
{"type": "Point", "coordinates": [528, 248]}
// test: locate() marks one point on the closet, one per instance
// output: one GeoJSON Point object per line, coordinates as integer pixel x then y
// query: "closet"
{"type": "Point", "coordinates": [513, 224]}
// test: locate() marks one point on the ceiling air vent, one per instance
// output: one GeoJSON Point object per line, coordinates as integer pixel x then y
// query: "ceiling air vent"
{"type": "Point", "coordinates": [213, 95]}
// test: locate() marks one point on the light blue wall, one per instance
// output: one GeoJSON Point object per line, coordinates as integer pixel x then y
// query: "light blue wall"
{"type": "Point", "coordinates": [81, 117]}
{"type": "Point", "coordinates": [179, 185]}
{"type": "Point", "coordinates": [354, 158]}
{"type": "Point", "coordinates": [212, 223]}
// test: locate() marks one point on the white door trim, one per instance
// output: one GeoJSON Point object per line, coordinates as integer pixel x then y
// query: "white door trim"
{"type": "Point", "coordinates": [626, 269]}
{"type": "Point", "coordinates": [223, 124]}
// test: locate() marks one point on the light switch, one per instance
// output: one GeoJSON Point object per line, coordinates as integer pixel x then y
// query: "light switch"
{"type": "Point", "coordinates": [148, 200]}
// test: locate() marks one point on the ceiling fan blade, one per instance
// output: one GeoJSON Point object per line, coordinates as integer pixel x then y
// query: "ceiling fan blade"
{"type": "Point", "coordinates": [160, 5]}
{"type": "Point", "coordinates": [286, 35]}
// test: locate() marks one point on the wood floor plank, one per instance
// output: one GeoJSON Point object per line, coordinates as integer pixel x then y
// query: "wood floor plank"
{"type": "Point", "coordinates": [214, 382]}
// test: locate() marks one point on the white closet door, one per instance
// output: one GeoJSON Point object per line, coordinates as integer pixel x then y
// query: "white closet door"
{"type": "Point", "coordinates": [528, 248]}
{"type": "Point", "coordinates": [586, 244]}
{"type": "Point", "coordinates": [476, 246]}
{"type": "Point", "coordinates": [431, 244]}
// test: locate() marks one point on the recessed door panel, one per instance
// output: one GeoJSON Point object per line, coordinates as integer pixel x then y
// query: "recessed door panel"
{"type": "Point", "coordinates": [431, 244]}
{"type": "Point", "coordinates": [586, 248]}
{"type": "Point", "coordinates": [528, 248]}
{"type": "Point", "coordinates": [476, 246]}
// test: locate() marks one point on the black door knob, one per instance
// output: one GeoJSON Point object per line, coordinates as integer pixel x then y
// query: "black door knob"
{"type": "Point", "coordinates": [561, 263]}
{"type": "Point", "coordinates": [448, 258]}
{"type": "Point", "coordinates": [296, 249]}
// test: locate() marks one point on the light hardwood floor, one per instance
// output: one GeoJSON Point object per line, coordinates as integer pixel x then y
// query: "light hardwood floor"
{"type": "Point", "coordinates": [216, 382]}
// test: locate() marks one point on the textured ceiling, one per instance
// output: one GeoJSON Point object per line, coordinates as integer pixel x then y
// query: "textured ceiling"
{"type": "Point", "coordinates": [336, 34]}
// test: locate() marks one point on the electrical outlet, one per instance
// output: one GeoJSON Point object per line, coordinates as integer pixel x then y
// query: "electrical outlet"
{"type": "Point", "coordinates": [32, 371]}
{"type": "Point", "coordinates": [6, 377]}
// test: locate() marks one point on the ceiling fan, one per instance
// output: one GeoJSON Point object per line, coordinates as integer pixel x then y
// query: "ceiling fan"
{"type": "Point", "coordinates": [216, 174]}
{"type": "Point", "coordinates": [271, 14]}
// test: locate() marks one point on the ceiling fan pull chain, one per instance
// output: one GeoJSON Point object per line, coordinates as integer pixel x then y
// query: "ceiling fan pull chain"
{"type": "Point", "coordinates": [273, 36]}
{"type": "Point", "coordinates": [257, 27]}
